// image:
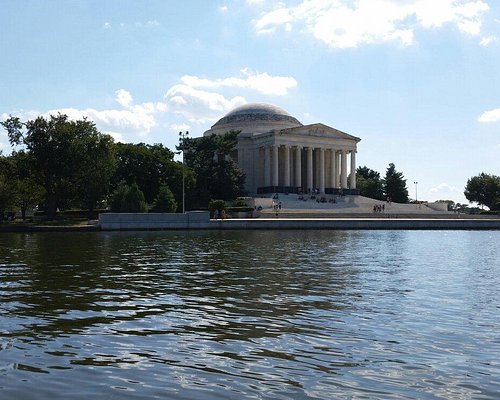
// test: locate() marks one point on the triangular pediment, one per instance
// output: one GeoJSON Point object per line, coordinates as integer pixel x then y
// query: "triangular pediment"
{"type": "Point", "coordinates": [318, 129]}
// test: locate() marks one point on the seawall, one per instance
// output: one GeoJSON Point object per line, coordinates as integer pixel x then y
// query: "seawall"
{"type": "Point", "coordinates": [201, 220]}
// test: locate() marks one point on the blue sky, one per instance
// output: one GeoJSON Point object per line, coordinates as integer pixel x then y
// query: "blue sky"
{"type": "Point", "coordinates": [417, 80]}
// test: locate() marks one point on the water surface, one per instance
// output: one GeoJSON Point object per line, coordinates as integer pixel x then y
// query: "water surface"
{"type": "Point", "coordinates": [258, 315]}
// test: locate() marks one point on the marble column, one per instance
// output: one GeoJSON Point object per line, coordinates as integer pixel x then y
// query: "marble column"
{"type": "Point", "coordinates": [343, 169]}
{"type": "Point", "coordinates": [309, 168]}
{"type": "Point", "coordinates": [267, 166]}
{"type": "Point", "coordinates": [337, 167]}
{"type": "Point", "coordinates": [286, 182]}
{"type": "Point", "coordinates": [353, 169]}
{"type": "Point", "coordinates": [298, 166]}
{"type": "Point", "coordinates": [275, 166]}
{"type": "Point", "coordinates": [333, 168]}
{"type": "Point", "coordinates": [322, 170]}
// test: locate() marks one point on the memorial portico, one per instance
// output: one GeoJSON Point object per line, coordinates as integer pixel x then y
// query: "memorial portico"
{"type": "Point", "coordinates": [320, 173]}
{"type": "Point", "coordinates": [279, 154]}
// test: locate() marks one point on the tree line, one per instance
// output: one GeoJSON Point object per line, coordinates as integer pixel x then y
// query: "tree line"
{"type": "Point", "coordinates": [60, 164]}
{"type": "Point", "coordinates": [483, 189]}
{"type": "Point", "coordinates": [392, 187]}
{"type": "Point", "coordinates": [57, 164]}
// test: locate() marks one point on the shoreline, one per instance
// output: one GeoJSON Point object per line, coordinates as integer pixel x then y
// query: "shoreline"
{"type": "Point", "coordinates": [20, 228]}
{"type": "Point", "coordinates": [276, 224]}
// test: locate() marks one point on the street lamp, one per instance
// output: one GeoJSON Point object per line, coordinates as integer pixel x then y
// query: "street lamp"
{"type": "Point", "coordinates": [182, 137]}
{"type": "Point", "coordinates": [416, 184]}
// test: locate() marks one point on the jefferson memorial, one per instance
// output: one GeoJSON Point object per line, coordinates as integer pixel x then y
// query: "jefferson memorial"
{"type": "Point", "coordinates": [279, 154]}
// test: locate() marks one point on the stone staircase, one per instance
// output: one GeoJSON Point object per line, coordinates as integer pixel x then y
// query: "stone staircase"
{"type": "Point", "coordinates": [331, 206]}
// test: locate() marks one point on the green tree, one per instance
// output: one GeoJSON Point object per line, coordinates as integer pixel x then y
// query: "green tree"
{"type": "Point", "coordinates": [216, 207]}
{"type": "Point", "coordinates": [8, 179]}
{"type": "Point", "coordinates": [118, 197]}
{"type": "Point", "coordinates": [394, 185]}
{"type": "Point", "coordinates": [369, 183]}
{"type": "Point", "coordinates": [164, 201]}
{"type": "Point", "coordinates": [60, 154]}
{"type": "Point", "coordinates": [150, 166]}
{"type": "Point", "coordinates": [484, 189]}
{"type": "Point", "coordinates": [128, 199]}
{"type": "Point", "coordinates": [7, 196]}
{"type": "Point", "coordinates": [134, 200]}
{"type": "Point", "coordinates": [28, 194]}
{"type": "Point", "coordinates": [217, 175]}
{"type": "Point", "coordinates": [96, 167]}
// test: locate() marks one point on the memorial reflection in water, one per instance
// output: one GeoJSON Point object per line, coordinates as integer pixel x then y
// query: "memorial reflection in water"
{"type": "Point", "coordinates": [250, 314]}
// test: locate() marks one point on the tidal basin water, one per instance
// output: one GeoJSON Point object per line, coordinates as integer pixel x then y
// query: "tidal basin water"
{"type": "Point", "coordinates": [250, 315]}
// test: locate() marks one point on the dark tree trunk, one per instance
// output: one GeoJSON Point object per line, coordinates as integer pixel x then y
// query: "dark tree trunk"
{"type": "Point", "coordinates": [51, 207]}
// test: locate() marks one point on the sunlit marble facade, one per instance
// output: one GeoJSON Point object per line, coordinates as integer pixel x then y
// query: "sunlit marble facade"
{"type": "Point", "coordinates": [279, 154]}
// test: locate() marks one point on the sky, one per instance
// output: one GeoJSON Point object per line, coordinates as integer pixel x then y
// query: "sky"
{"type": "Point", "coordinates": [417, 80]}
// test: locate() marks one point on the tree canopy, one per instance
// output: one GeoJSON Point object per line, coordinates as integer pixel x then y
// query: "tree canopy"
{"type": "Point", "coordinates": [150, 167]}
{"type": "Point", "coordinates": [369, 183]}
{"type": "Point", "coordinates": [217, 175]}
{"type": "Point", "coordinates": [394, 185]}
{"type": "Point", "coordinates": [128, 199]}
{"type": "Point", "coordinates": [164, 202]}
{"type": "Point", "coordinates": [69, 159]}
{"type": "Point", "coordinates": [484, 189]}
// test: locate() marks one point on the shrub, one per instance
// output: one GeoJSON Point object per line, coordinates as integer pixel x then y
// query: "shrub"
{"type": "Point", "coordinates": [240, 203]}
{"type": "Point", "coordinates": [118, 197]}
{"type": "Point", "coordinates": [134, 200]}
{"type": "Point", "coordinates": [216, 205]}
{"type": "Point", "coordinates": [164, 202]}
{"type": "Point", "coordinates": [128, 199]}
{"type": "Point", "coordinates": [490, 212]}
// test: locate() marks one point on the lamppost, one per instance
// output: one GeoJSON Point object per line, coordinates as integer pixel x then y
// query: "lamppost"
{"type": "Point", "coordinates": [182, 137]}
{"type": "Point", "coordinates": [416, 184]}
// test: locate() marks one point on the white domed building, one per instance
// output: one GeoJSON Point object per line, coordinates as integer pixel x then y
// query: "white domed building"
{"type": "Point", "coordinates": [279, 154]}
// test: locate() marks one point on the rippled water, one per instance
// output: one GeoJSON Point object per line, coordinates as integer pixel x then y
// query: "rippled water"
{"type": "Point", "coordinates": [262, 315]}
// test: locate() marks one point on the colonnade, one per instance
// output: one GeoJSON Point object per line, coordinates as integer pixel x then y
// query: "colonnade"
{"type": "Point", "coordinates": [324, 167]}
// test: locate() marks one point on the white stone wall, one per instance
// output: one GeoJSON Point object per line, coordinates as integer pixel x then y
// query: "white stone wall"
{"type": "Point", "coordinates": [145, 221]}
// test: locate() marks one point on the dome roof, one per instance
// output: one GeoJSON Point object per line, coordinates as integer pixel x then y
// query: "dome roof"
{"type": "Point", "coordinates": [257, 112]}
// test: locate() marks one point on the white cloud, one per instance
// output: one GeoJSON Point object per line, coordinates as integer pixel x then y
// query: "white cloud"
{"type": "Point", "coordinates": [444, 188]}
{"type": "Point", "coordinates": [139, 122]}
{"type": "Point", "coordinates": [180, 127]}
{"type": "Point", "coordinates": [223, 8]}
{"type": "Point", "coordinates": [490, 116]}
{"type": "Point", "coordinates": [120, 124]}
{"type": "Point", "coordinates": [260, 82]}
{"type": "Point", "coordinates": [22, 114]}
{"type": "Point", "coordinates": [194, 100]}
{"type": "Point", "coordinates": [117, 136]}
{"type": "Point", "coordinates": [123, 97]}
{"type": "Point", "coordinates": [345, 24]}
{"type": "Point", "coordinates": [138, 24]}
{"type": "Point", "coordinates": [199, 106]}
{"type": "Point", "coordinates": [271, 20]}
{"type": "Point", "coordinates": [255, 2]}
{"type": "Point", "coordinates": [198, 99]}
{"type": "Point", "coordinates": [135, 119]}
{"type": "Point", "coordinates": [487, 40]}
